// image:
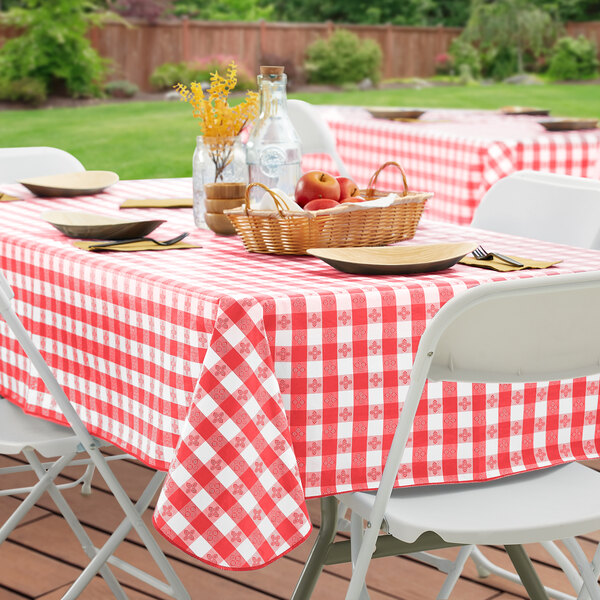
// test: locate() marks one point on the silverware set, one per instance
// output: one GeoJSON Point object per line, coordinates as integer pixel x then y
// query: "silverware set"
{"type": "Point", "coordinates": [142, 239]}
{"type": "Point", "coordinates": [481, 254]}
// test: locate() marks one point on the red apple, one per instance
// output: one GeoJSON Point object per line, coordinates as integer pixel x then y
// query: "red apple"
{"type": "Point", "coordinates": [316, 184]}
{"type": "Point", "coordinates": [352, 199]}
{"type": "Point", "coordinates": [348, 187]}
{"type": "Point", "coordinates": [321, 203]}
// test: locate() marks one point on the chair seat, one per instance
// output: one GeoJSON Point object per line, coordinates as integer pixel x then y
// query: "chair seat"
{"type": "Point", "coordinates": [19, 430]}
{"type": "Point", "coordinates": [526, 508]}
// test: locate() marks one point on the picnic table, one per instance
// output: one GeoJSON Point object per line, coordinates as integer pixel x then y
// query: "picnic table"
{"type": "Point", "coordinates": [457, 154]}
{"type": "Point", "coordinates": [258, 381]}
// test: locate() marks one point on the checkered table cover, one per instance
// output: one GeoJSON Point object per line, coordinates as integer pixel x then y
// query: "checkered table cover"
{"type": "Point", "coordinates": [456, 154]}
{"type": "Point", "coordinates": [258, 380]}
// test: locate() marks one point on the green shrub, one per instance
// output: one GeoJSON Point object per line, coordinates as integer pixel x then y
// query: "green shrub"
{"type": "Point", "coordinates": [499, 63]}
{"type": "Point", "coordinates": [165, 76]}
{"type": "Point", "coordinates": [343, 58]}
{"type": "Point", "coordinates": [52, 49]}
{"type": "Point", "coordinates": [121, 89]}
{"type": "Point", "coordinates": [573, 58]}
{"type": "Point", "coordinates": [464, 53]}
{"type": "Point", "coordinates": [27, 90]}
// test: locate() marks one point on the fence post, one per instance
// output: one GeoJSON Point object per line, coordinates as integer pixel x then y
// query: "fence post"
{"type": "Point", "coordinates": [185, 38]}
{"type": "Point", "coordinates": [388, 62]}
{"type": "Point", "coordinates": [263, 37]}
{"type": "Point", "coordinates": [330, 27]}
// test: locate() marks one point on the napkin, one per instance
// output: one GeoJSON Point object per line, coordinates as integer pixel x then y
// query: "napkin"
{"type": "Point", "coordinates": [158, 203]}
{"type": "Point", "coordinates": [266, 202]}
{"type": "Point", "coordinates": [8, 197]}
{"type": "Point", "coordinates": [499, 265]}
{"type": "Point", "coordinates": [134, 246]}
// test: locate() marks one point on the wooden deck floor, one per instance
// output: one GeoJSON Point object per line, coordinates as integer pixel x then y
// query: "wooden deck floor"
{"type": "Point", "coordinates": [41, 559]}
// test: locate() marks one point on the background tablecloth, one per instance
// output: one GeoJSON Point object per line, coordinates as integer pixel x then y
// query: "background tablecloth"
{"type": "Point", "coordinates": [457, 154]}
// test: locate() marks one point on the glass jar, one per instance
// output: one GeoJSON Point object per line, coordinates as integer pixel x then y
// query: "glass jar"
{"type": "Point", "coordinates": [273, 150]}
{"type": "Point", "coordinates": [216, 160]}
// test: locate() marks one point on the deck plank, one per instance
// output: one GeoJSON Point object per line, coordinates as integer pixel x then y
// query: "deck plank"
{"type": "Point", "coordinates": [17, 564]}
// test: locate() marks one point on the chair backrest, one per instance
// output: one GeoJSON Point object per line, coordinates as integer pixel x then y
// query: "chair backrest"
{"type": "Point", "coordinates": [544, 206]}
{"type": "Point", "coordinates": [20, 163]}
{"type": "Point", "coordinates": [524, 330]}
{"type": "Point", "coordinates": [315, 135]}
{"type": "Point", "coordinates": [40, 365]}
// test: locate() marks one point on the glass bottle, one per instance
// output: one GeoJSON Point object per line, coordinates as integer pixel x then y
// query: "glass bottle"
{"type": "Point", "coordinates": [273, 150]}
{"type": "Point", "coordinates": [216, 160]}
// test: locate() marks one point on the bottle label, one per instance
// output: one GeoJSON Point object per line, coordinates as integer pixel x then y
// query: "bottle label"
{"type": "Point", "coordinates": [271, 159]}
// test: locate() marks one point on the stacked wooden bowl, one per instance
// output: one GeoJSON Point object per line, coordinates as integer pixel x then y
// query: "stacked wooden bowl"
{"type": "Point", "coordinates": [220, 197]}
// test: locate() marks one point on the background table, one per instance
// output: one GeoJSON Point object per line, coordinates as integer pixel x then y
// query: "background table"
{"type": "Point", "coordinates": [457, 154]}
{"type": "Point", "coordinates": [258, 381]}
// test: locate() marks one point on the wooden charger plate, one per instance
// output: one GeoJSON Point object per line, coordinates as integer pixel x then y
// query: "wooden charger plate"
{"type": "Point", "coordinates": [389, 112]}
{"type": "Point", "coordinates": [569, 124]}
{"type": "Point", "coordinates": [91, 226]}
{"type": "Point", "coordinates": [525, 110]}
{"type": "Point", "coordinates": [394, 260]}
{"type": "Point", "coordinates": [71, 184]}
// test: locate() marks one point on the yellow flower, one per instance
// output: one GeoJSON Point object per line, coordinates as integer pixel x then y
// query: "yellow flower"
{"type": "Point", "coordinates": [216, 118]}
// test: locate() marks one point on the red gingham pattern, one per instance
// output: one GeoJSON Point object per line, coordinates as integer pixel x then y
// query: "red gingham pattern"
{"type": "Point", "coordinates": [258, 380]}
{"type": "Point", "coordinates": [456, 154]}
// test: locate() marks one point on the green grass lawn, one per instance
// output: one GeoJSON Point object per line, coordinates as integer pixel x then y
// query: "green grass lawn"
{"type": "Point", "coordinates": [157, 139]}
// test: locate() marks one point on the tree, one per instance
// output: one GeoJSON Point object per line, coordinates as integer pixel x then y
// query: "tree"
{"type": "Point", "coordinates": [52, 54]}
{"type": "Point", "coordinates": [510, 27]}
{"type": "Point", "coordinates": [409, 12]}
{"type": "Point", "coordinates": [149, 10]}
{"type": "Point", "coordinates": [224, 10]}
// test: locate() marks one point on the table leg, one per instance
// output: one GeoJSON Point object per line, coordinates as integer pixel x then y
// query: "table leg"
{"type": "Point", "coordinates": [316, 560]}
{"type": "Point", "coordinates": [526, 572]}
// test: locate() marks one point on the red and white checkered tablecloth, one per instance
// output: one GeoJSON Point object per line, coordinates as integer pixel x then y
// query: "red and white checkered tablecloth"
{"type": "Point", "coordinates": [258, 380]}
{"type": "Point", "coordinates": [457, 154]}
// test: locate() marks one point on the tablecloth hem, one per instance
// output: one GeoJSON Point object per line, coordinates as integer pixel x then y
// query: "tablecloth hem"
{"type": "Point", "coordinates": [176, 542]}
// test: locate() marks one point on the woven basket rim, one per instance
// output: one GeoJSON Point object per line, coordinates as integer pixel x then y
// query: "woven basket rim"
{"type": "Point", "coordinates": [410, 198]}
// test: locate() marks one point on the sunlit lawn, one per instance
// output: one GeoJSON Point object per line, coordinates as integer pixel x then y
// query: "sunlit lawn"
{"type": "Point", "coordinates": [156, 139]}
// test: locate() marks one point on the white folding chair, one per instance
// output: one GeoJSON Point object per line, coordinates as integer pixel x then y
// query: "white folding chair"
{"type": "Point", "coordinates": [32, 436]}
{"type": "Point", "coordinates": [526, 330]}
{"type": "Point", "coordinates": [315, 135]}
{"type": "Point", "coordinates": [19, 163]}
{"type": "Point", "coordinates": [544, 206]}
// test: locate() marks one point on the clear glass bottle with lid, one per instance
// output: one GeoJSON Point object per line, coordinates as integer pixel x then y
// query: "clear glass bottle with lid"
{"type": "Point", "coordinates": [273, 150]}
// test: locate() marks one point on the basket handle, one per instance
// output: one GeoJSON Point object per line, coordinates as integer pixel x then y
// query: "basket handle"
{"type": "Point", "coordinates": [371, 185]}
{"type": "Point", "coordinates": [279, 203]}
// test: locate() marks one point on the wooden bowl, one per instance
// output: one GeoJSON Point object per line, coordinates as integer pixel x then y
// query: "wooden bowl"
{"type": "Point", "coordinates": [218, 205]}
{"type": "Point", "coordinates": [225, 190]}
{"type": "Point", "coordinates": [219, 223]}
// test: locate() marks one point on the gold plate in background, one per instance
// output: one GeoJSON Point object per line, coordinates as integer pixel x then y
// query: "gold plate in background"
{"type": "Point", "coordinates": [525, 110]}
{"type": "Point", "coordinates": [569, 124]}
{"type": "Point", "coordinates": [390, 112]}
{"type": "Point", "coordinates": [80, 183]}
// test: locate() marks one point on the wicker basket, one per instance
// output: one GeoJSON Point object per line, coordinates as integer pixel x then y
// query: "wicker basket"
{"type": "Point", "coordinates": [287, 232]}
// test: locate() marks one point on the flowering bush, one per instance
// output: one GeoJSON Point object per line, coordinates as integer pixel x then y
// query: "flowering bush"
{"type": "Point", "coordinates": [444, 64]}
{"type": "Point", "coordinates": [219, 122]}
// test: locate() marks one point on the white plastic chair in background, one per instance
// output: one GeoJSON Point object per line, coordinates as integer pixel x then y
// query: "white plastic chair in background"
{"type": "Point", "coordinates": [542, 329]}
{"type": "Point", "coordinates": [315, 135]}
{"type": "Point", "coordinates": [543, 206]}
{"type": "Point", "coordinates": [35, 161]}
{"type": "Point", "coordinates": [32, 436]}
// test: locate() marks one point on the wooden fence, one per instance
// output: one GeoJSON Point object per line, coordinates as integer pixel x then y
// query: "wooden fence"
{"type": "Point", "coordinates": [135, 51]}
{"type": "Point", "coordinates": [138, 50]}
